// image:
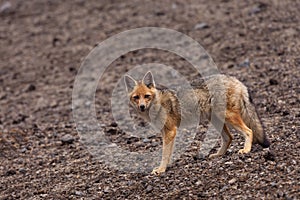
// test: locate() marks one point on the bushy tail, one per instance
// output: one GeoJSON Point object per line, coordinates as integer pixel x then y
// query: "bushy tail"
{"type": "Point", "coordinates": [252, 120]}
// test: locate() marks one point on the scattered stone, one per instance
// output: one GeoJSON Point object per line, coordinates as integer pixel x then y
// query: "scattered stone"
{"type": "Point", "coordinates": [201, 25]}
{"type": "Point", "coordinates": [114, 124]}
{"type": "Point", "coordinates": [112, 131]}
{"type": "Point", "coordinates": [273, 81]}
{"type": "Point", "coordinates": [273, 184]}
{"type": "Point", "coordinates": [174, 5]}
{"type": "Point", "coordinates": [149, 189]}
{"type": "Point", "coordinates": [78, 193]}
{"type": "Point", "coordinates": [5, 7]}
{"type": "Point", "coordinates": [198, 183]}
{"type": "Point", "coordinates": [29, 88]}
{"type": "Point", "coordinates": [67, 139]}
{"type": "Point", "coordinates": [10, 172]}
{"type": "Point", "coordinates": [146, 140]}
{"type": "Point", "coordinates": [159, 13]}
{"type": "Point", "coordinates": [106, 189]}
{"type": "Point", "coordinates": [258, 8]}
{"type": "Point", "coordinates": [285, 113]}
{"type": "Point", "coordinates": [22, 170]}
{"type": "Point", "coordinates": [245, 63]}
{"type": "Point", "coordinates": [269, 156]}
{"type": "Point", "coordinates": [232, 181]}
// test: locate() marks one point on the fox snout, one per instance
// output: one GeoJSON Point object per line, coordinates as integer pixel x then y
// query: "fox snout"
{"type": "Point", "coordinates": [142, 104]}
{"type": "Point", "coordinates": [142, 107]}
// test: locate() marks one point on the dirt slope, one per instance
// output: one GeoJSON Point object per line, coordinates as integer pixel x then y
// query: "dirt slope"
{"type": "Point", "coordinates": [42, 44]}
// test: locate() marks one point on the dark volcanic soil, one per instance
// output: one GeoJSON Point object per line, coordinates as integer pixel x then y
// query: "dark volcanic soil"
{"type": "Point", "coordinates": [42, 44]}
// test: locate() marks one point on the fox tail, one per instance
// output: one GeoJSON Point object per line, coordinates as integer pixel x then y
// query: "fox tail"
{"type": "Point", "coordinates": [251, 119]}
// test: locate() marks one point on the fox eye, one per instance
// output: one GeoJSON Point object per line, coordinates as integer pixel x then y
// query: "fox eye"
{"type": "Point", "coordinates": [136, 97]}
{"type": "Point", "coordinates": [147, 96]}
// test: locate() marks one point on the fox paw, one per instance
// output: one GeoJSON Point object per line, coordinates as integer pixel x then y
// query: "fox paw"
{"type": "Point", "coordinates": [243, 151]}
{"type": "Point", "coordinates": [158, 170]}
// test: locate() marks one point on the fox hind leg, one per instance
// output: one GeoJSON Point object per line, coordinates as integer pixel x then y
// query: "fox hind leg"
{"type": "Point", "coordinates": [237, 122]}
{"type": "Point", "coordinates": [226, 141]}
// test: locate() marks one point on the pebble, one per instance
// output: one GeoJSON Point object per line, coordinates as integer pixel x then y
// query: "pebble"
{"type": "Point", "coordinates": [22, 170]}
{"type": "Point", "coordinates": [78, 193]}
{"type": "Point", "coordinates": [273, 81]}
{"type": "Point", "coordinates": [23, 150]}
{"type": "Point", "coordinates": [146, 140]}
{"type": "Point", "coordinates": [245, 63]}
{"type": "Point", "coordinates": [29, 88]}
{"type": "Point", "coordinates": [10, 172]}
{"type": "Point", "coordinates": [106, 189]}
{"type": "Point", "coordinates": [5, 7]}
{"type": "Point", "coordinates": [201, 25]}
{"type": "Point", "coordinates": [67, 139]}
{"type": "Point", "coordinates": [149, 189]}
{"type": "Point", "coordinates": [232, 181]}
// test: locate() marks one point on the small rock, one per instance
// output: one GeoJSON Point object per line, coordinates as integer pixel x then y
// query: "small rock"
{"type": "Point", "coordinates": [273, 81]}
{"type": "Point", "coordinates": [269, 156]}
{"type": "Point", "coordinates": [112, 131]}
{"type": "Point", "coordinates": [23, 150]}
{"type": "Point", "coordinates": [273, 184]}
{"type": "Point", "coordinates": [10, 172]}
{"type": "Point", "coordinates": [232, 181]}
{"type": "Point", "coordinates": [159, 13]}
{"type": "Point", "coordinates": [174, 5]}
{"type": "Point", "coordinates": [22, 170]}
{"type": "Point", "coordinates": [279, 193]}
{"type": "Point", "coordinates": [198, 183]}
{"type": "Point", "coordinates": [255, 10]}
{"type": "Point", "coordinates": [139, 144]}
{"type": "Point", "coordinates": [149, 189]}
{"type": "Point", "coordinates": [114, 124]}
{"type": "Point", "coordinates": [201, 25]}
{"type": "Point", "coordinates": [106, 189]}
{"type": "Point", "coordinates": [245, 63]}
{"type": "Point", "coordinates": [258, 8]}
{"type": "Point", "coordinates": [5, 7]}
{"type": "Point", "coordinates": [43, 195]}
{"type": "Point", "coordinates": [67, 139]}
{"type": "Point", "coordinates": [112, 145]}
{"type": "Point", "coordinates": [30, 88]}
{"type": "Point", "coordinates": [154, 144]}
{"type": "Point", "coordinates": [146, 140]}
{"type": "Point", "coordinates": [78, 193]}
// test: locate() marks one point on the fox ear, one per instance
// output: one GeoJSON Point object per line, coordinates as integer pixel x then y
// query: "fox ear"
{"type": "Point", "coordinates": [148, 79]}
{"type": "Point", "coordinates": [129, 83]}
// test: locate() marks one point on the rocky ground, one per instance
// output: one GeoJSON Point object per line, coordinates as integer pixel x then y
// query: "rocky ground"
{"type": "Point", "coordinates": [42, 44]}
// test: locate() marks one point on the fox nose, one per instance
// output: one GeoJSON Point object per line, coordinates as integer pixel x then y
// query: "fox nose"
{"type": "Point", "coordinates": [142, 107]}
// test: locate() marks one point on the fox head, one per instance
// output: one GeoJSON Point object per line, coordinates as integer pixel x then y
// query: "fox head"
{"type": "Point", "coordinates": [141, 93]}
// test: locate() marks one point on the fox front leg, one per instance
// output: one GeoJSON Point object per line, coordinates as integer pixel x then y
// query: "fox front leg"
{"type": "Point", "coordinates": [168, 145]}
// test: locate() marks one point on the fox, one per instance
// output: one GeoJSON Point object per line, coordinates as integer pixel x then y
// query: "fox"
{"type": "Point", "coordinates": [145, 96]}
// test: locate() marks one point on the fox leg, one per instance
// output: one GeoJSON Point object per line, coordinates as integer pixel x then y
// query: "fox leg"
{"type": "Point", "coordinates": [237, 122]}
{"type": "Point", "coordinates": [168, 145]}
{"type": "Point", "coordinates": [226, 141]}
